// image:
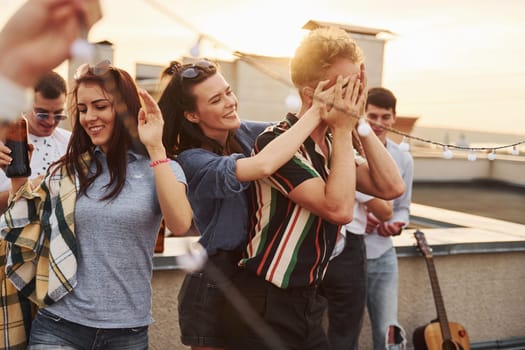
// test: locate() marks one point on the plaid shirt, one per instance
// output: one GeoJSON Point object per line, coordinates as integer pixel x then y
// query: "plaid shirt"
{"type": "Point", "coordinates": [40, 251]}
{"type": "Point", "coordinates": [16, 312]}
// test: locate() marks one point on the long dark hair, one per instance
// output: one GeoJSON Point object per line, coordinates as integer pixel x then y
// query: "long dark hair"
{"type": "Point", "coordinates": [176, 98]}
{"type": "Point", "coordinates": [126, 105]}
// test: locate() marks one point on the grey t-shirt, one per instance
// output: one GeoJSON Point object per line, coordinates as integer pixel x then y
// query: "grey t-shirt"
{"type": "Point", "coordinates": [116, 240]}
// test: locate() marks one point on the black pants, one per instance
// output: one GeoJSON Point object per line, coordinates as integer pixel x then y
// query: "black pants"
{"type": "Point", "coordinates": [285, 319]}
{"type": "Point", "coordinates": [201, 300]}
{"type": "Point", "coordinates": [344, 286]}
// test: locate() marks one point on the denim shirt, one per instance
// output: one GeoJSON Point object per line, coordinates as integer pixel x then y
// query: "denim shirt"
{"type": "Point", "coordinates": [218, 199]}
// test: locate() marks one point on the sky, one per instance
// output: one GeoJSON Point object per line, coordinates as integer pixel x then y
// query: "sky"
{"type": "Point", "coordinates": [455, 64]}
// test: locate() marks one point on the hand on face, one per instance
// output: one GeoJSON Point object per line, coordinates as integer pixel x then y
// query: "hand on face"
{"type": "Point", "coordinates": [348, 102]}
{"type": "Point", "coordinates": [363, 93]}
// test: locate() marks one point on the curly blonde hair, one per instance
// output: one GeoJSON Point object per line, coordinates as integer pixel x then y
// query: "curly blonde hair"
{"type": "Point", "coordinates": [317, 52]}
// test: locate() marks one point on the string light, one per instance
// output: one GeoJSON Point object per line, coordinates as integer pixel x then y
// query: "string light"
{"type": "Point", "coordinates": [363, 127]}
{"type": "Point", "coordinates": [404, 146]}
{"type": "Point", "coordinates": [194, 258]}
{"type": "Point", "coordinates": [491, 155]}
{"type": "Point", "coordinates": [82, 50]}
{"type": "Point", "coordinates": [447, 153]}
{"type": "Point", "coordinates": [195, 50]}
{"type": "Point", "coordinates": [472, 155]}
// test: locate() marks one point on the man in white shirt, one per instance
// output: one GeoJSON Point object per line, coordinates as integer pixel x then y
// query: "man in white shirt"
{"type": "Point", "coordinates": [381, 255]}
{"type": "Point", "coordinates": [345, 281]}
{"type": "Point", "coordinates": [48, 140]}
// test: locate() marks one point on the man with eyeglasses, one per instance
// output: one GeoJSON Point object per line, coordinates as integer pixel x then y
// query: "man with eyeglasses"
{"type": "Point", "coordinates": [48, 140]}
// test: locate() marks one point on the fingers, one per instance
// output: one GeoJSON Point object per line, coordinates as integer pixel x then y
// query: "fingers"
{"type": "Point", "coordinates": [338, 89]}
{"type": "Point", "coordinates": [142, 116]}
{"type": "Point", "coordinates": [363, 77]}
{"type": "Point", "coordinates": [150, 110]}
{"type": "Point", "coordinates": [321, 86]}
{"type": "Point", "coordinates": [387, 229]}
{"type": "Point", "coordinates": [5, 158]}
{"type": "Point", "coordinates": [150, 105]}
{"type": "Point", "coordinates": [371, 218]}
{"type": "Point", "coordinates": [382, 230]}
{"type": "Point", "coordinates": [352, 92]}
{"type": "Point", "coordinates": [363, 93]}
{"type": "Point", "coordinates": [370, 227]}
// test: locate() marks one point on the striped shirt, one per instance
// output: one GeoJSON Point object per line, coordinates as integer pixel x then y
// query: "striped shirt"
{"type": "Point", "coordinates": [288, 245]}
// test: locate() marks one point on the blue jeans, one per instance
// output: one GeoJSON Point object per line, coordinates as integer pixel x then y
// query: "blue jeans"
{"type": "Point", "coordinates": [344, 286]}
{"type": "Point", "coordinates": [52, 332]}
{"type": "Point", "coordinates": [382, 301]}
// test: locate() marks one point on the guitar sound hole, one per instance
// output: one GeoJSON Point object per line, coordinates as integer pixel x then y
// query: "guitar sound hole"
{"type": "Point", "coordinates": [450, 345]}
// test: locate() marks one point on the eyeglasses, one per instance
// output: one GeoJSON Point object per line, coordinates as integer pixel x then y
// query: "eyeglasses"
{"type": "Point", "coordinates": [45, 115]}
{"type": "Point", "coordinates": [193, 70]}
{"type": "Point", "coordinates": [99, 69]}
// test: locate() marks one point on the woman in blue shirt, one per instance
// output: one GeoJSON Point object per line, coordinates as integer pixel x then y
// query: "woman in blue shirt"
{"type": "Point", "coordinates": [213, 146]}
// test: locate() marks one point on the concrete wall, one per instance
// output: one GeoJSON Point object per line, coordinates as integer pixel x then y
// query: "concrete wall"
{"type": "Point", "coordinates": [483, 292]}
{"type": "Point", "coordinates": [433, 167]}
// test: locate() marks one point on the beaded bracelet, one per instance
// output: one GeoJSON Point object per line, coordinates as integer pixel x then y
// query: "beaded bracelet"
{"type": "Point", "coordinates": [154, 163]}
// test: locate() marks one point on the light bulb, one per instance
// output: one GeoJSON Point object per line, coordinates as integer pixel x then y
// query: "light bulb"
{"type": "Point", "coordinates": [82, 50]}
{"type": "Point", "coordinates": [194, 259]}
{"type": "Point", "coordinates": [447, 154]}
{"type": "Point", "coordinates": [472, 156]}
{"type": "Point", "coordinates": [404, 146]}
{"type": "Point", "coordinates": [363, 128]}
{"type": "Point", "coordinates": [515, 151]}
{"type": "Point", "coordinates": [195, 50]}
{"type": "Point", "coordinates": [491, 155]}
{"type": "Point", "coordinates": [293, 102]}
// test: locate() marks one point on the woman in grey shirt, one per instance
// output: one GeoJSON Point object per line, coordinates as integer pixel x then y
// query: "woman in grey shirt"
{"type": "Point", "coordinates": [97, 214]}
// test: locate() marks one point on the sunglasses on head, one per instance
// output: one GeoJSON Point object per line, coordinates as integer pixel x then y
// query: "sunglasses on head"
{"type": "Point", "coordinates": [99, 69]}
{"type": "Point", "coordinates": [193, 70]}
{"type": "Point", "coordinates": [45, 115]}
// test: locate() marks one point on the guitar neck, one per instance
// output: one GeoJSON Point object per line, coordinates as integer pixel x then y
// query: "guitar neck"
{"type": "Point", "coordinates": [438, 299]}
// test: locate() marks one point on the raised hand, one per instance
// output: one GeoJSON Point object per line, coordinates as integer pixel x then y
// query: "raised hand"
{"type": "Point", "coordinates": [347, 104]}
{"type": "Point", "coordinates": [322, 98]}
{"type": "Point", "coordinates": [150, 125]}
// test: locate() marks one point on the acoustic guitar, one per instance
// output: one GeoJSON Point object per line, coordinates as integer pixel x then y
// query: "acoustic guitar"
{"type": "Point", "coordinates": [439, 334]}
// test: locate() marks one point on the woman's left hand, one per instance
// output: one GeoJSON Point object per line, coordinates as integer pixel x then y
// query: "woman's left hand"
{"type": "Point", "coordinates": [150, 124]}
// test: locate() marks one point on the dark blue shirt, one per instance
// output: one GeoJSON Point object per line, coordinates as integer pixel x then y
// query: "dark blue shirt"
{"type": "Point", "coordinates": [218, 199]}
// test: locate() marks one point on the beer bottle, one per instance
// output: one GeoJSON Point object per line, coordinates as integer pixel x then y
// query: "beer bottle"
{"type": "Point", "coordinates": [159, 243]}
{"type": "Point", "coordinates": [16, 140]}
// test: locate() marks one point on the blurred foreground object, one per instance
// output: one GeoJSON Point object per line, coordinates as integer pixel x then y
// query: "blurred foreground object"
{"type": "Point", "coordinates": [39, 26]}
